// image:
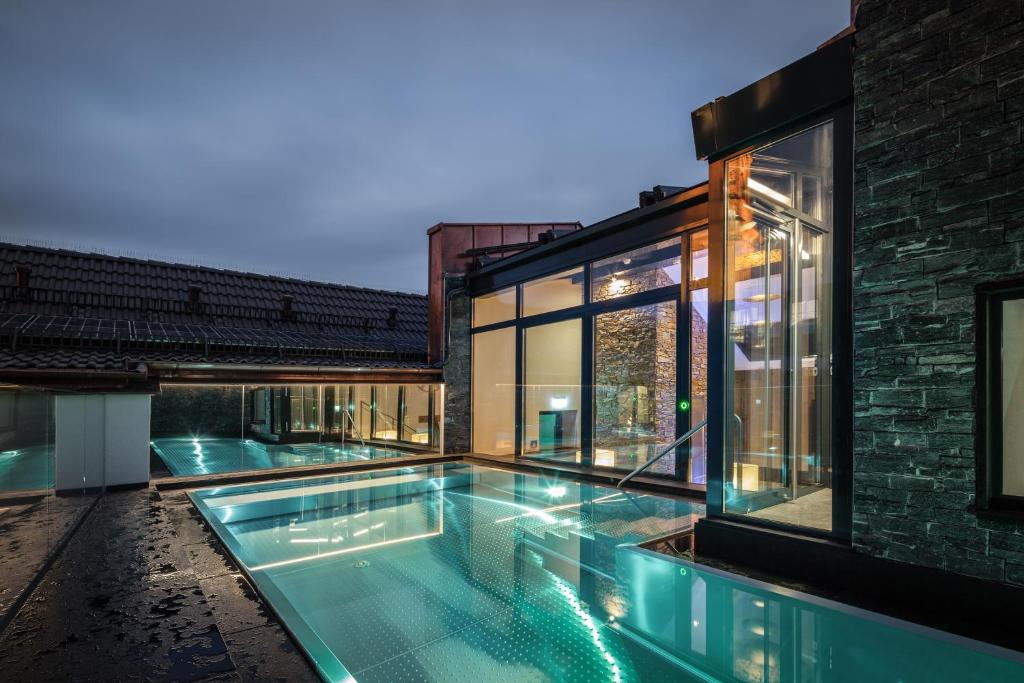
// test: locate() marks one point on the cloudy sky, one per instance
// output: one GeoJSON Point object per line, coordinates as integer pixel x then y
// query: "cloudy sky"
{"type": "Point", "coordinates": [321, 138]}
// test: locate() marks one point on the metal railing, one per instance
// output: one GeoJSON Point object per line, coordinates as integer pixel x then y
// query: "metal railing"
{"type": "Point", "coordinates": [668, 449]}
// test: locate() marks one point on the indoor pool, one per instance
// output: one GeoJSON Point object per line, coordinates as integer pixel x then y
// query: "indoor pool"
{"type": "Point", "coordinates": [190, 457]}
{"type": "Point", "coordinates": [455, 572]}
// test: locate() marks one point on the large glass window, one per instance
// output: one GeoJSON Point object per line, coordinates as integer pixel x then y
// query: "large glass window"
{"type": "Point", "coordinates": [635, 386]}
{"type": "Point", "coordinates": [1011, 341]}
{"type": "Point", "coordinates": [497, 307]}
{"type": "Point", "coordinates": [418, 423]}
{"type": "Point", "coordinates": [641, 270]}
{"type": "Point", "coordinates": [553, 293]}
{"type": "Point", "coordinates": [551, 389]}
{"type": "Point", "coordinates": [778, 316]}
{"type": "Point", "coordinates": [698, 400]}
{"type": "Point", "coordinates": [385, 403]}
{"type": "Point", "coordinates": [494, 391]}
{"type": "Point", "coordinates": [361, 409]}
{"type": "Point", "coordinates": [1001, 401]}
{"type": "Point", "coordinates": [304, 402]}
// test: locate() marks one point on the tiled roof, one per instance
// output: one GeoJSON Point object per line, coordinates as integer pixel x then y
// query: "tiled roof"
{"type": "Point", "coordinates": [66, 302]}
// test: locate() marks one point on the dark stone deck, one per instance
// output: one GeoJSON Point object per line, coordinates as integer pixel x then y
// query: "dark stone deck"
{"type": "Point", "coordinates": [142, 592]}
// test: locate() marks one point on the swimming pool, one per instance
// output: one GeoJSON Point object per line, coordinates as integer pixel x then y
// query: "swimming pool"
{"type": "Point", "coordinates": [190, 457]}
{"type": "Point", "coordinates": [27, 469]}
{"type": "Point", "coordinates": [455, 572]}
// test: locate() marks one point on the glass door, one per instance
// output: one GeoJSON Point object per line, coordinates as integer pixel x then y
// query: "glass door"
{"type": "Point", "coordinates": [778, 317]}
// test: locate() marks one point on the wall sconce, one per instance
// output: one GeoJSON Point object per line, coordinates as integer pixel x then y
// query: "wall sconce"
{"type": "Point", "coordinates": [616, 286]}
{"type": "Point", "coordinates": [559, 402]}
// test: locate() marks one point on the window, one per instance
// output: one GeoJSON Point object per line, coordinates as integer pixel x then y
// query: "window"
{"type": "Point", "coordinates": [1001, 397]}
{"type": "Point", "coordinates": [494, 391]}
{"type": "Point", "coordinates": [641, 270]}
{"type": "Point", "coordinates": [497, 307]}
{"type": "Point", "coordinates": [553, 293]}
{"type": "Point", "coordinates": [259, 405]}
{"type": "Point", "coordinates": [418, 423]}
{"type": "Point", "coordinates": [635, 386]}
{"type": "Point", "coordinates": [304, 404]}
{"type": "Point", "coordinates": [385, 405]}
{"type": "Point", "coordinates": [551, 389]}
{"type": "Point", "coordinates": [778, 279]}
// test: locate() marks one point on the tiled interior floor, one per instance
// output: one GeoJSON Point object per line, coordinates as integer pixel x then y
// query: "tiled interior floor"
{"type": "Point", "coordinates": [139, 593]}
{"type": "Point", "coordinates": [813, 510]}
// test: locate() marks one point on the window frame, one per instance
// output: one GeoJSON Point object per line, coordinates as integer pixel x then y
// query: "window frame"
{"type": "Point", "coordinates": [989, 298]}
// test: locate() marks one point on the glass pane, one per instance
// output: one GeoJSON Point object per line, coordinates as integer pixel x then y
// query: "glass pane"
{"type": "Point", "coordinates": [553, 293]}
{"type": "Point", "coordinates": [778, 308]}
{"type": "Point", "coordinates": [698, 256]}
{"type": "Point", "coordinates": [417, 421]}
{"type": "Point", "coordinates": [551, 390]}
{"type": "Point", "coordinates": [698, 381]}
{"type": "Point", "coordinates": [385, 404]}
{"type": "Point", "coordinates": [361, 409]}
{"type": "Point", "coordinates": [1013, 397]}
{"type": "Point", "coordinates": [496, 307]}
{"type": "Point", "coordinates": [640, 270]}
{"type": "Point", "coordinates": [635, 386]}
{"type": "Point", "coordinates": [304, 405]}
{"type": "Point", "coordinates": [494, 392]}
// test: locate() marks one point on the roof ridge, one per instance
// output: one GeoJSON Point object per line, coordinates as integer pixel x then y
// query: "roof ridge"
{"type": "Point", "coordinates": [5, 243]}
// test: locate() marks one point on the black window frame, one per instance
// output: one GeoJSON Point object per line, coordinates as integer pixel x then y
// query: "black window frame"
{"type": "Point", "coordinates": [989, 384]}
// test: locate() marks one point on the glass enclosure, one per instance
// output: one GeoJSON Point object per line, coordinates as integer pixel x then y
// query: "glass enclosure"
{"type": "Point", "coordinates": [778, 280]}
{"type": "Point", "coordinates": [497, 307]}
{"type": "Point", "coordinates": [1012, 388]}
{"type": "Point", "coordinates": [33, 517]}
{"type": "Point", "coordinates": [209, 429]}
{"type": "Point", "coordinates": [612, 374]}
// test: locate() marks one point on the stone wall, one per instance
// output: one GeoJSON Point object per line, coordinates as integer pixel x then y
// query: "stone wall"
{"type": "Point", "coordinates": [939, 168]}
{"type": "Point", "coordinates": [457, 372]}
{"type": "Point", "coordinates": [197, 411]}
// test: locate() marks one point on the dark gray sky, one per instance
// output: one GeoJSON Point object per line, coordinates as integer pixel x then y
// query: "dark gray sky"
{"type": "Point", "coordinates": [322, 138]}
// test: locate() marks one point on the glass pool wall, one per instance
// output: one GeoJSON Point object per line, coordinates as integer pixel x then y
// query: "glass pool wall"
{"type": "Point", "coordinates": [211, 429]}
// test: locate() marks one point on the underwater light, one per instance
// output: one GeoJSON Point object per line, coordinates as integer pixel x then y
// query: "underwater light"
{"type": "Point", "coordinates": [556, 491]}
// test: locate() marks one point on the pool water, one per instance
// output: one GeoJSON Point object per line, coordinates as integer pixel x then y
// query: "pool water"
{"type": "Point", "coordinates": [27, 469]}
{"type": "Point", "coordinates": [456, 572]}
{"type": "Point", "coordinates": [190, 457]}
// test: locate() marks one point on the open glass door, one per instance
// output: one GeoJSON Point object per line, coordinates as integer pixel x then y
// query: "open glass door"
{"type": "Point", "coordinates": [778, 317]}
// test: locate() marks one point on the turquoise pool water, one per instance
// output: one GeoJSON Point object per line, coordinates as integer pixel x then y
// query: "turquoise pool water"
{"type": "Point", "coordinates": [27, 469]}
{"type": "Point", "coordinates": [189, 457]}
{"type": "Point", "coordinates": [455, 572]}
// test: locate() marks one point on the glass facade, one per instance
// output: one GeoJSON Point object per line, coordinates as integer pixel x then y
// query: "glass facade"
{"type": "Point", "coordinates": [497, 307]}
{"type": "Point", "coordinates": [553, 293]}
{"type": "Point", "coordinates": [208, 429]}
{"type": "Point", "coordinates": [641, 270]}
{"type": "Point", "coordinates": [778, 281]}
{"type": "Point", "coordinates": [612, 374]}
{"type": "Point", "coordinates": [494, 392]}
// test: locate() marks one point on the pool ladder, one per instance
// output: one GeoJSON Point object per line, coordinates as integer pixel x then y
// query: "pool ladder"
{"type": "Point", "coordinates": [665, 451]}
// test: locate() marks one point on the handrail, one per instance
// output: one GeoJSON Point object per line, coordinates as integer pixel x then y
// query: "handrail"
{"type": "Point", "coordinates": [668, 449]}
{"type": "Point", "coordinates": [355, 429]}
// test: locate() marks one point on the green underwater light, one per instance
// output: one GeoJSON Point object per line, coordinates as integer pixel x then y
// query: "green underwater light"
{"type": "Point", "coordinates": [684, 406]}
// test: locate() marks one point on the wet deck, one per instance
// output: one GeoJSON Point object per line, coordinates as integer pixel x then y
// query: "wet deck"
{"type": "Point", "coordinates": [141, 592]}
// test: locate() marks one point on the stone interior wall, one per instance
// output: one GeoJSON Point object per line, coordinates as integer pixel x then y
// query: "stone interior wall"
{"type": "Point", "coordinates": [939, 167]}
{"type": "Point", "coordinates": [213, 411]}
{"type": "Point", "coordinates": [634, 351]}
{"type": "Point", "coordinates": [457, 372]}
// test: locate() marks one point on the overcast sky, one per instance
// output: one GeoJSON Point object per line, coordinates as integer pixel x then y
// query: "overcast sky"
{"type": "Point", "coordinates": [322, 138]}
